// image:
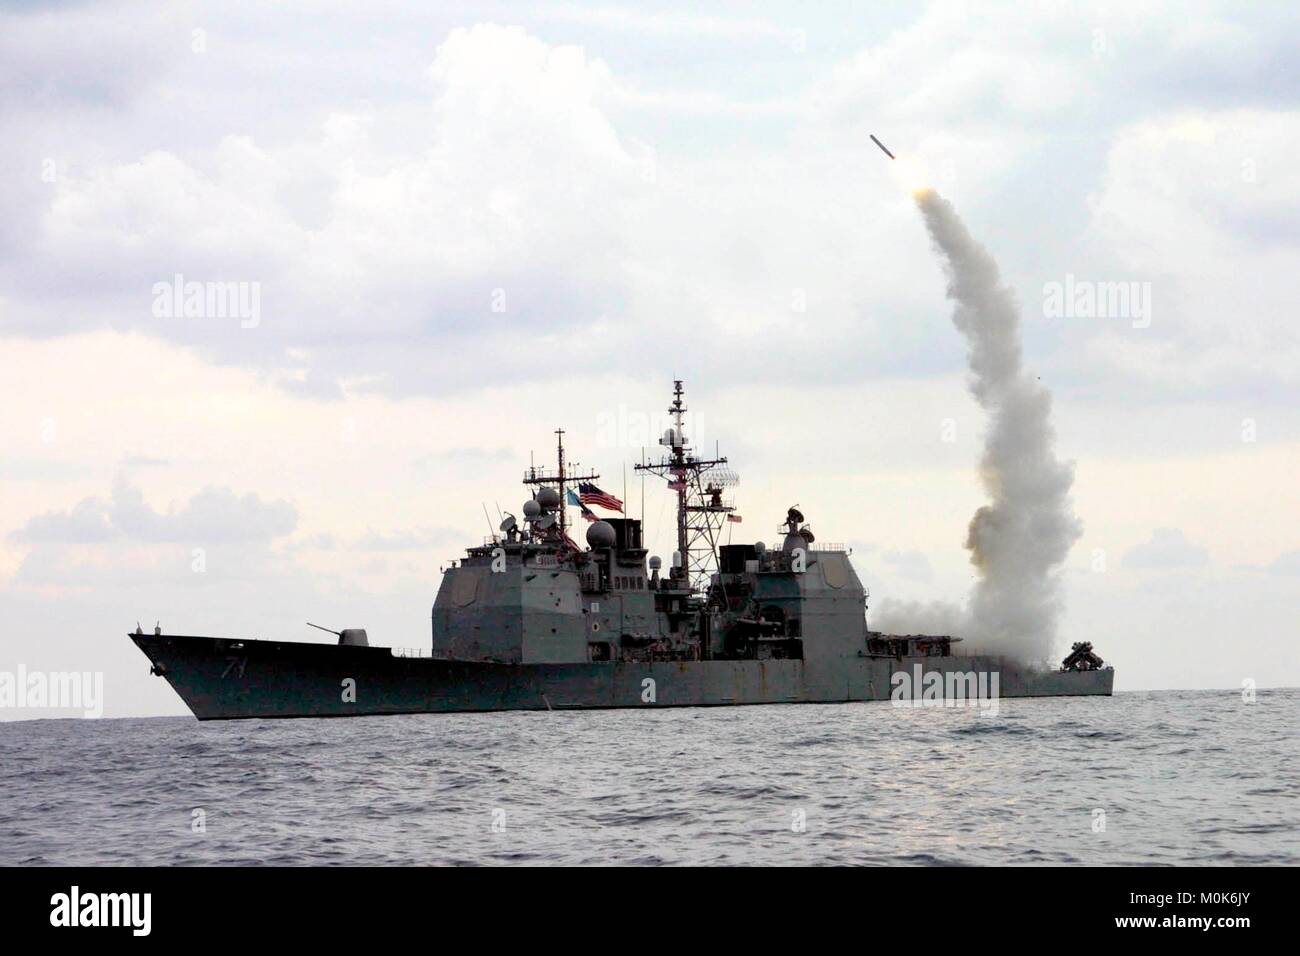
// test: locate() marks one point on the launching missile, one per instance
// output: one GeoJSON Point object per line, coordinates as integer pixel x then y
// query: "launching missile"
{"type": "Point", "coordinates": [882, 146]}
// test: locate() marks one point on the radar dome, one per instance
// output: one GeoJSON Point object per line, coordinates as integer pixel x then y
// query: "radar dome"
{"type": "Point", "coordinates": [548, 498]}
{"type": "Point", "coordinates": [673, 437]}
{"type": "Point", "coordinates": [532, 509]}
{"type": "Point", "coordinates": [601, 535]}
{"type": "Point", "coordinates": [656, 563]}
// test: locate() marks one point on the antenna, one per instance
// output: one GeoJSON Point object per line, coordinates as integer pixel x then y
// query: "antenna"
{"type": "Point", "coordinates": [325, 629]}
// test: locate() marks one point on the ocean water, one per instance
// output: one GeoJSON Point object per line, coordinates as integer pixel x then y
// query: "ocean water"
{"type": "Point", "coordinates": [1141, 778]}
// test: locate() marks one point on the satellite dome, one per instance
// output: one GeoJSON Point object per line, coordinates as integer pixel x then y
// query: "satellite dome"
{"type": "Point", "coordinates": [548, 498]}
{"type": "Point", "coordinates": [760, 547]}
{"type": "Point", "coordinates": [532, 509]}
{"type": "Point", "coordinates": [601, 535]}
{"type": "Point", "coordinates": [656, 563]}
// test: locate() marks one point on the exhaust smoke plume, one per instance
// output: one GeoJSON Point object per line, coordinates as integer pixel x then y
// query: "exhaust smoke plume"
{"type": "Point", "coordinates": [1020, 538]}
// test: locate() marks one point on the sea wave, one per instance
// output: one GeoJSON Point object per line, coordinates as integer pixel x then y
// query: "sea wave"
{"type": "Point", "coordinates": [1156, 778]}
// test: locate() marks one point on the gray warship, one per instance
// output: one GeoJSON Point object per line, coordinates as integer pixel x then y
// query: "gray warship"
{"type": "Point", "coordinates": [529, 620]}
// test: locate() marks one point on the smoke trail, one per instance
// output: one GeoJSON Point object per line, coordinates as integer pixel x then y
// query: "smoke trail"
{"type": "Point", "coordinates": [1017, 541]}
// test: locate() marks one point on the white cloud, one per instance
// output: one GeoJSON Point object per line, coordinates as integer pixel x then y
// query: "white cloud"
{"type": "Point", "coordinates": [1167, 548]}
{"type": "Point", "coordinates": [87, 521]}
{"type": "Point", "coordinates": [211, 515]}
{"type": "Point", "coordinates": [1202, 207]}
{"type": "Point", "coordinates": [399, 250]}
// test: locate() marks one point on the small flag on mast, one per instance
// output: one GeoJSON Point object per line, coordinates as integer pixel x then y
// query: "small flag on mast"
{"type": "Point", "coordinates": [735, 518]}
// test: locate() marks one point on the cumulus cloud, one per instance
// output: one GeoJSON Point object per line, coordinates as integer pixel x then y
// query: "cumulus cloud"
{"type": "Point", "coordinates": [1218, 181]}
{"type": "Point", "coordinates": [88, 521]}
{"type": "Point", "coordinates": [211, 515]}
{"type": "Point", "coordinates": [1167, 548]}
{"type": "Point", "coordinates": [517, 209]}
{"type": "Point", "coordinates": [510, 220]}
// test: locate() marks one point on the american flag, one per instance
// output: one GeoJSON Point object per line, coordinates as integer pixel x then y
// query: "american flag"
{"type": "Point", "coordinates": [589, 494]}
{"type": "Point", "coordinates": [676, 486]}
{"type": "Point", "coordinates": [735, 518]}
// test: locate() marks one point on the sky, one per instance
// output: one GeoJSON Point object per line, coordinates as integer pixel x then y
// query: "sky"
{"type": "Point", "coordinates": [450, 231]}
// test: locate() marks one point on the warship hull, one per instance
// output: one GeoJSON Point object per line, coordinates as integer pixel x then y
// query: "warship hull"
{"type": "Point", "coordinates": [225, 679]}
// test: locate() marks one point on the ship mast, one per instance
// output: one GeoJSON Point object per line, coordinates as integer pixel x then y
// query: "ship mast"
{"type": "Point", "coordinates": [559, 456]}
{"type": "Point", "coordinates": [534, 476]}
{"type": "Point", "coordinates": [701, 510]}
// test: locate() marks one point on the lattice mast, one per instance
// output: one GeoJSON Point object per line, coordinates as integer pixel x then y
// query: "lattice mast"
{"type": "Point", "coordinates": [701, 509]}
